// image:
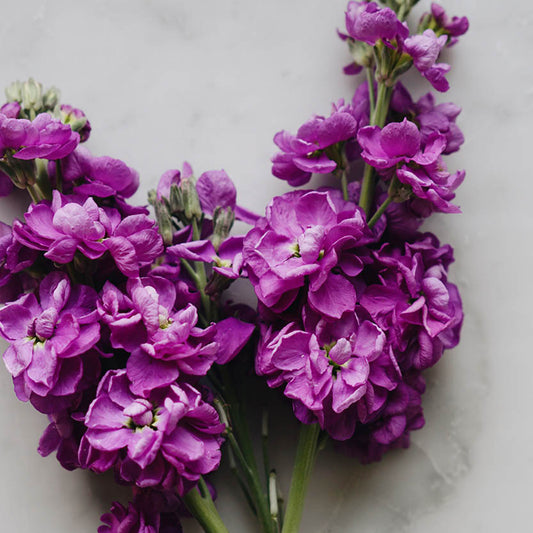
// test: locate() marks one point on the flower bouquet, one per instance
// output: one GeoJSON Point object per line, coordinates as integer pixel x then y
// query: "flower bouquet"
{"type": "Point", "coordinates": [125, 330]}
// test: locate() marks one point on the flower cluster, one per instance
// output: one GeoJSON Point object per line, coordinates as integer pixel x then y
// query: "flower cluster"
{"type": "Point", "coordinates": [353, 306]}
{"type": "Point", "coordinates": [107, 335]}
{"type": "Point", "coordinates": [118, 324]}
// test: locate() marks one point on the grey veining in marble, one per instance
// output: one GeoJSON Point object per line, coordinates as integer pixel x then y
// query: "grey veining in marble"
{"type": "Point", "coordinates": [211, 82]}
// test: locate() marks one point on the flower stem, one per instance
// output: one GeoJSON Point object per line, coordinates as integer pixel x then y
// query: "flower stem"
{"type": "Point", "coordinates": [303, 466]}
{"type": "Point", "coordinates": [201, 506]}
{"type": "Point", "coordinates": [377, 119]}
{"type": "Point", "coordinates": [382, 208]}
{"type": "Point", "coordinates": [371, 96]}
{"type": "Point", "coordinates": [344, 185]}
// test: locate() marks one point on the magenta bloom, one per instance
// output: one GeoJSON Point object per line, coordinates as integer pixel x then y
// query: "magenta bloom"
{"type": "Point", "coordinates": [367, 22]}
{"type": "Point", "coordinates": [168, 438]}
{"type": "Point", "coordinates": [45, 138]}
{"type": "Point", "coordinates": [151, 511]}
{"type": "Point", "coordinates": [303, 238]}
{"type": "Point", "coordinates": [399, 144]}
{"type": "Point", "coordinates": [305, 153]}
{"type": "Point", "coordinates": [453, 26]}
{"type": "Point", "coordinates": [62, 227]}
{"type": "Point", "coordinates": [425, 50]}
{"type": "Point", "coordinates": [401, 414]}
{"type": "Point", "coordinates": [66, 225]}
{"type": "Point", "coordinates": [336, 373]}
{"type": "Point", "coordinates": [98, 176]}
{"type": "Point", "coordinates": [414, 302]}
{"type": "Point", "coordinates": [72, 114]}
{"type": "Point", "coordinates": [49, 336]}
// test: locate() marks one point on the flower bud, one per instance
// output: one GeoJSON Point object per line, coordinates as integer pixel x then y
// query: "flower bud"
{"type": "Point", "coordinates": [14, 92]}
{"type": "Point", "coordinates": [223, 218]}
{"type": "Point", "coordinates": [51, 99]}
{"type": "Point", "coordinates": [362, 53]}
{"type": "Point", "coordinates": [163, 217]}
{"type": "Point", "coordinates": [32, 97]}
{"type": "Point", "coordinates": [190, 200]}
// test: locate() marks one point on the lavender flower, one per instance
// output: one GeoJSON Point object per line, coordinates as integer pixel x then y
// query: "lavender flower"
{"type": "Point", "coordinates": [301, 240]}
{"type": "Point", "coordinates": [336, 373]}
{"type": "Point", "coordinates": [314, 147]}
{"type": "Point", "coordinates": [425, 49]}
{"type": "Point", "coordinates": [168, 437]}
{"type": "Point", "coordinates": [399, 144]}
{"type": "Point", "coordinates": [367, 22]}
{"type": "Point", "coordinates": [49, 337]}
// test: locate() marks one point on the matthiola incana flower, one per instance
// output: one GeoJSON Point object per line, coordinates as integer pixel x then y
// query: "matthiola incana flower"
{"type": "Point", "coordinates": [431, 118]}
{"type": "Point", "coordinates": [367, 22]}
{"type": "Point", "coordinates": [77, 119]}
{"type": "Point", "coordinates": [414, 302]}
{"type": "Point", "coordinates": [336, 373]}
{"type": "Point", "coordinates": [102, 177]}
{"type": "Point", "coordinates": [44, 137]}
{"type": "Point", "coordinates": [167, 438]}
{"type": "Point", "coordinates": [314, 148]}
{"type": "Point", "coordinates": [50, 335]}
{"type": "Point", "coordinates": [399, 145]}
{"type": "Point", "coordinates": [307, 237]}
{"type": "Point", "coordinates": [71, 224]}
{"type": "Point", "coordinates": [452, 26]}
{"type": "Point", "coordinates": [425, 50]}
{"type": "Point", "coordinates": [151, 511]}
{"type": "Point", "coordinates": [390, 429]}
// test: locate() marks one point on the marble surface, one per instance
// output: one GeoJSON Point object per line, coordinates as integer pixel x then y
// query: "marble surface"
{"type": "Point", "coordinates": [211, 82]}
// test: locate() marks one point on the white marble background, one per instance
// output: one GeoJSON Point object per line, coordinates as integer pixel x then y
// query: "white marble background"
{"type": "Point", "coordinates": [211, 82]}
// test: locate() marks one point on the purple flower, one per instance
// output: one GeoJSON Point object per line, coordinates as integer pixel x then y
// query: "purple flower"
{"type": "Point", "coordinates": [336, 373]}
{"type": "Point", "coordinates": [215, 189]}
{"type": "Point", "coordinates": [168, 438]}
{"type": "Point", "coordinates": [454, 26]}
{"type": "Point", "coordinates": [49, 336]}
{"type": "Point", "coordinates": [152, 511]}
{"type": "Point", "coordinates": [399, 144]}
{"type": "Point", "coordinates": [73, 115]}
{"type": "Point", "coordinates": [62, 227]}
{"type": "Point", "coordinates": [367, 22]}
{"type": "Point", "coordinates": [425, 49]}
{"type": "Point", "coordinates": [414, 302]}
{"type": "Point", "coordinates": [306, 236]}
{"type": "Point", "coordinates": [10, 110]}
{"type": "Point", "coordinates": [307, 152]}
{"type": "Point", "coordinates": [97, 176]}
{"type": "Point", "coordinates": [66, 225]}
{"type": "Point", "coordinates": [389, 430]}
{"type": "Point", "coordinates": [47, 138]}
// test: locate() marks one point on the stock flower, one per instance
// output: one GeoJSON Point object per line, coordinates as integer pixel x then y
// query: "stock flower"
{"type": "Point", "coordinates": [49, 336]}
{"type": "Point", "coordinates": [304, 236]}
{"type": "Point", "coordinates": [367, 22]}
{"type": "Point", "coordinates": [76, 117]}
{"type": "Point", "coordinates": [429, 117]}
{"type": "Point", "coordinates": [454, 26]}
{"type": "Point", "coordinates": [44, 137]}
{"type": "Point", "coordinates": [151, 511]}
{"type": "Point", "coordinates": [414, 302]}
{"type": "Point", "coordinates": [306, 152]}
{"type": "Point", "coordinates": [69, 224]}
{"type": "Point", "coordinates": [166, 438]}
{"type": "Point", "coordinates": [425, 49]}
{"type": "Point", "coordinates": [390, 429]}
{"type": "Point", "coordinates": [331, 371]}
{"type": "Point", "coordinates": [97, 176]}
{"type": "Point", "coordinates": [418, 165]}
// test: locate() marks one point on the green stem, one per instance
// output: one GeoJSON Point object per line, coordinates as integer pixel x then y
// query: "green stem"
{"type": "Point", "coordinates": [371, 96]}
{"type": "Point", "coordinates": [382, 208]}
{"type": "Point", "coordinates": [377, 119]}
{"type": "Point", "coordinates": [303, 466]}
{"type": "Point", "coordinates": [344, 185]}
{"type": "Point", "coordinates": [201, 506]}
